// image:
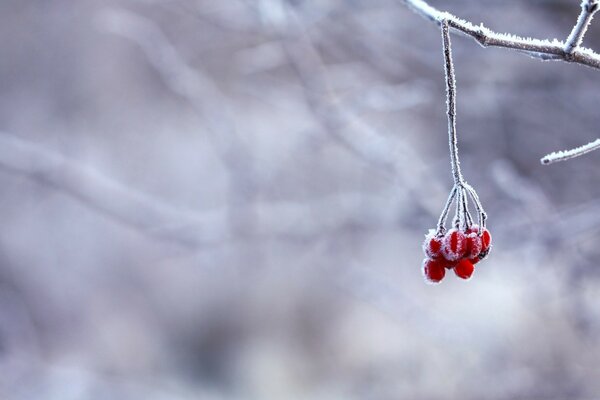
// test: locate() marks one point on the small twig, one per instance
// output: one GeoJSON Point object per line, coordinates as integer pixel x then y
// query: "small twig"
{"type": "Point", "coordinates": [444, 216]}
{"type": "Point", "coordinates": [458, 217]}
{"type": "Point", "coordinates": [480, 211]}
{"type": "Point", "coordinates": [465, 209]}
{"type": "Point", "coordinates": [588, 9]}
{"type": "Point", "coordinates": [567, 154]}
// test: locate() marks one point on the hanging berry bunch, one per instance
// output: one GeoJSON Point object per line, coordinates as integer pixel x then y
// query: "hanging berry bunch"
{"type": "Point", "coordinates": [468, 241]}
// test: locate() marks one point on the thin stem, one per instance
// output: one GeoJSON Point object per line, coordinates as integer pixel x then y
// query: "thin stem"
{"type": "Point", "coordinates": [465, 209]}
{"type": "Point", "coordinates": [444, 215]}
{"type": "Point", "coordinates": [481, 212]}
{"type": "Point", "coordinates": [451, 99]}
{"type": "Point", "coordinates": [458, 217]}
{"type": "Point", "coordinates": [588, 9]}
{"type": "Point", "coordinates": [567, 154]}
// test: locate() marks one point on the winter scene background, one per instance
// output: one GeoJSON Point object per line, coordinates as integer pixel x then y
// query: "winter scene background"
{"type": "Point", "coordinates": [226, 200]}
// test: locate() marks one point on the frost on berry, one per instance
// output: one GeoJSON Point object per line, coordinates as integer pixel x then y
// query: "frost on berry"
{"type": "Point", "coordinates": [433, 270]}
{"type": "Point", "coordinates": [474, 245]}
{"type": "Point", "coordinates": [486, 239]}
{"type": "Point", "coordinates": [486, 244]}
{"type": "Point", "coordinates": [454, 245]}
{"type": "Point", "coordinates": [432, 246]}
{"type": "Point", "coordinates": [464, 269]}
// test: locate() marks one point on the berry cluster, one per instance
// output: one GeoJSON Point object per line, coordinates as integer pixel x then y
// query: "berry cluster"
{"type": "Point", "coordinates": [457, 249]}
{"type": "Point", "coordinates": [466, 243]}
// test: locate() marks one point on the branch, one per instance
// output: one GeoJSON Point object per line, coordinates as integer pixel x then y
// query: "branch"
{"type": "Point", "coordinates": [108, 197]}
{"type": "Point", "coordinates": [567, 154]}
{"type": "Point", "coordinates": [588, 9]}
{"type": "Point", "coordinates": [538, 48]}
{"type": "Point", "coordinates": [118, 201]}
{"type": "Point", "coordinates": [208, 102]}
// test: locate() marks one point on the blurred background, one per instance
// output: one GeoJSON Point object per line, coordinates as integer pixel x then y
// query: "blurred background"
{"type": "Point", "coordinates": [226, 200]}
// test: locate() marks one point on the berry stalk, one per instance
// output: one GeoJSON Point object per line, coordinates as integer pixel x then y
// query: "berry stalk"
{"type": "Point", "coordinates": [451, 104]}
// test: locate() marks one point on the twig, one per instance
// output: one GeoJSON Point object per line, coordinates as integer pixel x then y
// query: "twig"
{"type": "Point", "coordinates": [567, 154]}
{"type": "Point", "coordinates": [588, 9]}
{"type": "Point", "coordinates": [444, 215]}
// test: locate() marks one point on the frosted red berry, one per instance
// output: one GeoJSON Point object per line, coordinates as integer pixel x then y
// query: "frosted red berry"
{"type": "Point", "coordinates": [464, 269]}
{"type": "Point", "coordinates": [454, 245]}
{"type": "Point", "coordinates": [433, 270]}
{"type": "Point", "coordinates": [486, 239]}
{"type": "Point", "coordinates": [474, 245]}
{"type": "Point", "coordinates": [432, 246]}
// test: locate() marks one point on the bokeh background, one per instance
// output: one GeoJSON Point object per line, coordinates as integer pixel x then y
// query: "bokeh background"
{"type": "Point", "coordinates": [210, 199]}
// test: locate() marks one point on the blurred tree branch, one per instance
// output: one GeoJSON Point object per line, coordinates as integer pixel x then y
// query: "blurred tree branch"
{"type": "Point", "coordinates": [188, 228]}
{"type": "Point", "coordinates": [208, 101]}
{"type": "Point", "coordinates": [107, 196]}
{"type": "Point", "coordinates": [341, 124]}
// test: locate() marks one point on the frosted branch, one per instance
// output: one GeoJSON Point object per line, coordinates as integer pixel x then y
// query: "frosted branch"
{"type": "Point", "coordinates": [567, 154]}
{"type": "Point", "coordinates": [588, 9]}
{"type": "Point", "coordinates": [538, 48]}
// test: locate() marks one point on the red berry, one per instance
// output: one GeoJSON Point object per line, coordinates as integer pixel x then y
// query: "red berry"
{"type": "Point", "coordinates": [474, 260]}
{"type": "Point", "coordinates": [464, 269]}
{"type": "Point", "coordinates": [474, 245]}
{"type": "Point", "coordinates": [432, 245]}
{"type": "Point", "coordinates": [486, 239]}
{"type": "Point", "coordinates": [433, 270]}
{"type": "Point", "coordinates": [454, 245]}
{"type": "Point", "coordinates": [486, 244]}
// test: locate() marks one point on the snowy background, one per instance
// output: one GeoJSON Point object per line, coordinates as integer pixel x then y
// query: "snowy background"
{"type": "Point", "coordinates": [226, 200]}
